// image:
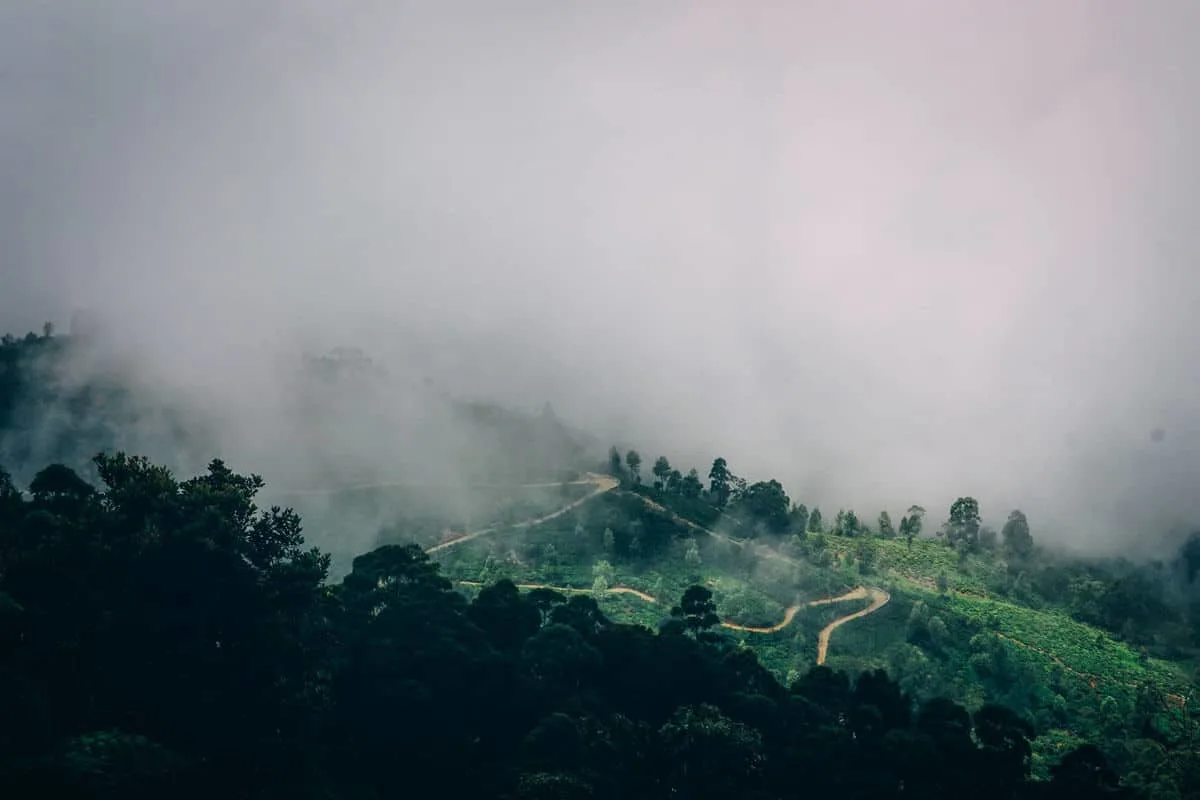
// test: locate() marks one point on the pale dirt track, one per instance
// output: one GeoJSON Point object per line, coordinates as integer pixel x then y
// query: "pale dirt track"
{"type": "Point", "coordinates": [603, 483]}
{"type": "Point", "coordinates": [879, 599]}
{"type": "Point", "coordinates": [574, 590]}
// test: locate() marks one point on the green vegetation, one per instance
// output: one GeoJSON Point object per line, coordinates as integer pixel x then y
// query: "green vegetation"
{"type": "Point", "coordinates": [659, 638]}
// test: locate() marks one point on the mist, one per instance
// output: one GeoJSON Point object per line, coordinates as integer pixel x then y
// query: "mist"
{"type": "Point", "coordinates": [886, 253]}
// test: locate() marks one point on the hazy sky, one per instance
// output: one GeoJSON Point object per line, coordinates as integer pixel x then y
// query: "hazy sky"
{"type": "Point", "coordinates": [886, 252]}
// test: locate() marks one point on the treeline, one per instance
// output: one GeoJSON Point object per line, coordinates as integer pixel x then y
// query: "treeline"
{"type": "Point", "coordinates": [164, 637]}
{"type": "Point", "coordinates": [766, 507]}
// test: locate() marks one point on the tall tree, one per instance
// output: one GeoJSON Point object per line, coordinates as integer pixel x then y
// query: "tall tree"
{"type": "Point", "coordinates": [633, 460]}
{"type": "Point", "coordinates": [916, 518]}
{"type": "Point", "coordinates": [799, 518]}
{"type": "Point", "coordinates": [1018, 541]}
{"type": "Point", "coordinates": [962, 528]}
{"type": "Point", "coordinates": [720, 481]}
{"type": "Point", "coordinates": [814, 521]}
{"type": "Point", "coordinates": [767, 502]}
{"type": "Point", "coordinates": [614, 462]}
{"type": "Point", "coordinates": [661, 469]}
{"type": "Point", "coordinates": [886, 530]}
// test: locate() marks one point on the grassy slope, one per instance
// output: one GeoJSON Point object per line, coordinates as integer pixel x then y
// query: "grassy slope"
{"type": "Point", "coordinates": [1056, 654]}
{"type": "Point", "coordinates": [1081, 648]}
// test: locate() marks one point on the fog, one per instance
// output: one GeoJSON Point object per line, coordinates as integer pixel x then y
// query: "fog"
{"type": "Point", "coordinates": [885, 252]}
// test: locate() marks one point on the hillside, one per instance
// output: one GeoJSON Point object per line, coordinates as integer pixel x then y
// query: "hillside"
{"type": "Point", "coordinates": [978, 624]}
{"type": "Point", "coordinates": [565, 628]}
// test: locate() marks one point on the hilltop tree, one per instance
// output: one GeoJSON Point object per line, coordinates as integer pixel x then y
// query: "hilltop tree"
{"type": "Point", "coordinates": [910, 524]}
{"type": "Point", "coordinates": [661, 469]}
{"type": "Point", "coordinates": [916, 519]}
{"type": "Point", "coordinates": [886, 531]}
{"type": "Point", "coordinates": [633, 460]}
{"type": "Point", "coordinates": [767, 502]}
{"type": "Point", "coordinates": [614, 462]}
{"type": "Point", "coordinates": [814, 521]}
{"type": "Point", "coordinates": [720, 482]}
{"type": "Point", "coordinates": [798, 519]}
{"type": "Point", "coordinates": [691, 487]}
{"type": "Point", "coordinates": [674, 481]}
{"type": "Point", "coordinates": [962, 528]}
{"type": "Point", "coordinates": [1018, 541]}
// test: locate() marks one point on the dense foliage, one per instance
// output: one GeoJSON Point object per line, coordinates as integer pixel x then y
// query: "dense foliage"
{"type": "Point", "coordinates": [167, 638]}
{"type": "Point", "coordinates": [170, 637]}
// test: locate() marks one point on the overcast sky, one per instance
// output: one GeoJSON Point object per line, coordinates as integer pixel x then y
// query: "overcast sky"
{"type": "Point", "coordinates": [886, 252]}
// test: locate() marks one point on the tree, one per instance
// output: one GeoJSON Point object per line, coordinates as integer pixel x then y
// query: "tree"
{"type": "Point", "coordinates": [691, 487]}
{"type": "Point", "coordinates": [603, 575]}
{"type": "Point", "coordinates": [886, 531]}
{"type": "Point", "coordinates": [710, 755]}
{"type": "Point", "coordinates": [1008, 738]}
{"type": "Point", "coordinates": [633, 460]}
{"type": "Point", "coordinates": [720, 481]}
{"type": "Point", "coordinates": [692, 556]}
{"type": "Point", "coordinates": [674, 481]}
{"type": "Point", "coordinates": [603, 569]}
{"type": "Point", "coordinates": [910, 525]}
{"type": "Point", "coordinates": [916, 517]}
{"type": "Point", "coordinates": [767, 502]}
{"type": "Point", "coordinates": [1018, 541]}
{"type": "Point", "coordinates": [614, 462]}
{"type": "Point", "coordinates": [962, 528]}
{"type": "Point", "coordinates": [507, 618]}
{"type": "Point", "coordinates": [661, 469]}
{"type": "Point", "coordinates": [814, 521]}
{"type": "Point", "coordinates": [697, 609]}
{"type": "Point", "coordinates": [799, 519]}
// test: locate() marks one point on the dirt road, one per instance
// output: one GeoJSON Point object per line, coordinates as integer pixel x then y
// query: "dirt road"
{"type": "Point", "coordinates": [603, 483]}
{"type": "Point", "coordinates": [879, 599]}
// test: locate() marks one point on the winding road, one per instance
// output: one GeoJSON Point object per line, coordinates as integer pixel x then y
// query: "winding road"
{"type": "Point", "coordinates": [603, 483]}
{"type": "Point", "coordinates": [879, 599]}
{"type": "Point", "coordinates": [607, 483]}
